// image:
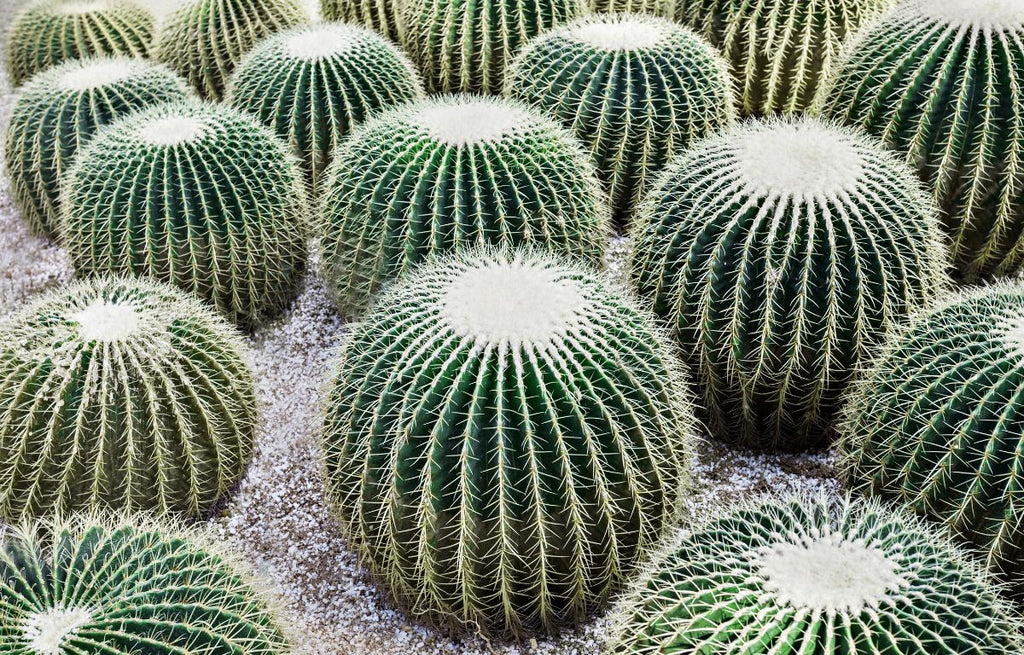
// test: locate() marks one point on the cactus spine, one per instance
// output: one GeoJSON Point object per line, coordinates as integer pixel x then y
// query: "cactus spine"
{"type": "Point", "coordinates": [50, 32]}
{"type": "Point", "coordinates": [118, 393]}
{"type": "Point", "coordinates": [503, 461]}
{"type": "Point", "coordinates": [635, 89]}
{"type": "Point", "coordinates": [940, 81]}
{"type": "Point", "coordinates": [60, 109]}
{"type": "Point", "coordinates": [382, 16]}
{"type": "Point", "coordinates": [664, 8]}
{"type": "Point", "coordinates": [781, 253]}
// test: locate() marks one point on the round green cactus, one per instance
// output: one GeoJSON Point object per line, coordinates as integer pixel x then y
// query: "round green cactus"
{"type": "Point", "coordinates": [940, 81]}
{"type": "Point", "coordinates": [204, 40]}
{"type": "Point", "coordinates": [382, 16]}
{"type": "Point", "coordinates": [313, 84]}
{"type": "Point", "coordinates": [799, 575]}
{"type": "Point", "coordinates": [634, 88]}
{"type": "Point", "coordinates": [461, 45]}
{"type": "Point", "coordinates": [121, 393]}
{"type": "Point", "coordinates": [60, 109]}
{"type": "Point", "coordinates": [507, 436]}
{"type": "Point", "coordinates": [782, 252]}
{"type": "Point", "coordinates": [449, 174]}
{"type": "Point", "coordinates": [780, 50]}
{"type": "Point", "coordinates": [118, 585]}
{"type": "Point", "coordinates": [50, 32]}
{"type": "Point", "coordinates": [935, 423]}
{"type": "Point", "coordinates": [194, 194]}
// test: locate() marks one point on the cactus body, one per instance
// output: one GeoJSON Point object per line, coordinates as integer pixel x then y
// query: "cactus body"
{"type": "Point", "coordinates": [60, 110]}
{"type": "Point", "coordinates": [195, 194]}
{"type": "Point", "coordinates": [50, 32]}
{"type": "Point", "coordinates": [380, 15]}
{"type": "Point", "coordinates": [126, 586]}
{"type": "Point", "coordinates": [935, 423]}
{"type": "Point", "coordinates": [796, 575]}
{"type": "Point", "coordinates": [505, 438]}
{"type": "Point", "coordinates": [120, 393]}
{"type": "Point", "coordinates": [461, 45]}
{"type": "Point", "coordinates": [450, 174]}
{"type": "Point", "coordinates": [312, 85]}
{"type": "Point", "coordinates": [781, 252]}
{"type": "Point", "coordinates": [940, 81]}
{"type": "Point", "coordinates": [204, 40]}
{"type": "Point", "coordinates": [780, 50]}
{"type": "Point", "coordinates": [635, 89]}
{"type": "Point", "coordinates": [664, 8]}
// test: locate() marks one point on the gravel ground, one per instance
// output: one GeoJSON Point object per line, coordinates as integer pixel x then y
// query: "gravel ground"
{"type": "Point", "coordinates": [278, 517]}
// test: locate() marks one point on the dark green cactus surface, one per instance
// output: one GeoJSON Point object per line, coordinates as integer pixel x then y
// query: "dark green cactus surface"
{"type": "Point", "coordinates": [383, 16]}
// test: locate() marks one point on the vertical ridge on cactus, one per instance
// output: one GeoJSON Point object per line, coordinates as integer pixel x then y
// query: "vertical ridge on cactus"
{"type": "Point", "coordinates": [506, 437]}
{"type": "Point", "coordinates": [61, 109]}
{"type": "Point", "coordinates": [664, 8]}
{"type": "Point", "coordinates": [312, 85]}
{"type": "Point", "coordinates": [935, 423]}
{"type": "Point", "coordinates": [383, 16]}
{"type": "Point", "coordinates": [204, 40]}
{"type": "Point", "coordinates": [635, 89]}
{"type": "Point", "coordinates": [466, 46]}
{"type": "Point", "coordinates": [781, 252]}
{"type": "Point", "coordinates": [940, 81]}
{"type": "Point", "coordinates": [127, 585]}
{"type": "Point", "coordinates": [799, 575]}
{"type": "Point", "coordinates": [453, 173]}
{"type": "Point", "coordinates": [122, 394]}
{"type": "Point", "coordinates": [780, 50]}
{"type": "Point", "coordinates": [195, 194]}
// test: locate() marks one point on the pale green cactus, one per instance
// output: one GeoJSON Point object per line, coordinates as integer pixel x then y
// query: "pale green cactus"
{"type": "Point", "coordinates": [940, 81]}
{"type": "Point", "coordinates": [204, 40]}
{"type": "Point", "coordinates": [195, 194]}
{"type": "Point", "coordinates": [383, 16]}
{"type": "Point", "coordinates": [447, 174]}
{"type": "Point", "coordinates": [781, 252]}
{"type": "Point", "coordinates": [635, 89]}
{"type": "Point", "coordinates": [60, 109]}
{"type": "Point", "coordinates": [811, 576]}
{"type": "Point", "coordinates": [123, 394]}
{"type": "Point", "coordinates": [312, 85]}
{"type": "Point", "coordinates": [664, 8]}
{"type": "Point", "coordinates": [50, 32]}
{"type": "Point", "coordinates": [507, 436]}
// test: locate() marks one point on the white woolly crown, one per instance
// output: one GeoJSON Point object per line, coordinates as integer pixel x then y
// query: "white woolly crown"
{"type": "Point", "coordinates": [92, 74]}
{"type": "Point", "coordinates": [612, 33]}
{"type": "Point", "coordinates": [991, 14]}
{"type": "Point", "coordinates": [46, 631]}
{"type": "Point", "coordinates": [461, 121]}
{"type": "Point", "coordinates": [107, 322]}
{"type": "Point", "coordinates": [322, 41]}
{"type": "Point", "coordinates": [172, 130]}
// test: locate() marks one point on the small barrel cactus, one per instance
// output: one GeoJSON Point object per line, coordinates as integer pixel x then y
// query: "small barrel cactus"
{"type": "Point", "coordinates": [507, 436]}
{"type": "Point", "coordinates": [461, 45]}
{"type": "Point", "coordinates": [120, 393]}
{"type": "Point", "coordinates": [782, 252]}
{"type": "Point", "coordinates": [634, 88]}
{"type": "Point", "coordinates": [60, 109]}
{"type": "Point", "coordinates": [50, 32]}
{"type": "Point", "coordinates": [119, 585]}
{"type": "Point", "coordinates": [780, 50]}
{"type": "Point", "coordinates": [935, 423]}
{"type": "Point", "coordinates": [379, 15]}
{"type": "Point", "coordinates": [194, 194]}
{"type": "Point", "coordinates": [313, 84]}
{"type": "Point", "coordinates": [799, 575]}
{"type": "Point", "coordinates": [941, 81]}
{"type": "Point", "coordinates": [203, 40]}
{"type": "Point", "coordinates": [449, 174]}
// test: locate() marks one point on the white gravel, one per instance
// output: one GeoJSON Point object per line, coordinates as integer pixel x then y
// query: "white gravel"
{"type": "Point", "coordinates": [279, 519]}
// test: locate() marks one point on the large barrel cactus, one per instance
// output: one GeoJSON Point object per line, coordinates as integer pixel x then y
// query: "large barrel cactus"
{"type": "Point", "coordinates": [781, 253]}
{"type": "Point", "coordinates": [382, 16]}
{"type": "Point", "coordinates": [463, 45]}
{"type": "Point", "coordinates": [50, 32]}
{"type": "Point", "coordinates": [941, 81]}
{"type": "Point", "coordinates": [60, 110]}
{"type": "Point", "coordinates": [312, 85]}
{"type": "Point", "coordinates": [635, 89]}
{"type": "Point", "coordinates": [449, 174]}
{"type": "Point", "coordinates": [91, 585]}
{"type": "Point", "coordinates": [936, 424]}
{"type": "Point", "coordinates": [204, 40]}
{"type": "Point", "coordinates": [506, 437]}
{"type": "Point", "coordinates": [119, 393]}
{"type": "Point", "coordinates": [780, 50]}
{"type": "Point", "coordinates": [796, 575]}
{"type": "Point", "coordinates": [194, 194]}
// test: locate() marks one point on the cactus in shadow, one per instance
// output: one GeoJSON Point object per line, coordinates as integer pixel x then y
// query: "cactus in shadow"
{"type": "Point", "coordinates": [382, 16]}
